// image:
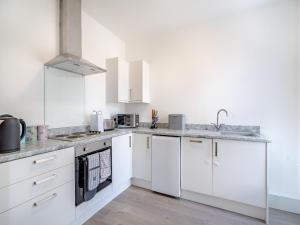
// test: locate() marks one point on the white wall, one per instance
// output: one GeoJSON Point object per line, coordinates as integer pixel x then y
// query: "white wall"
{"type": "Point", "coordinates": [98, 45]}
{"type": "Point", "coordinates": [29, 37]}
{"type": "Point", "coordinates": [245, 63]}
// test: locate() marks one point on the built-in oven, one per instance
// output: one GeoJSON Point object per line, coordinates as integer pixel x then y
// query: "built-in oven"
{"type": "Point", "coordinates": [93, 169]}
{"type": "Point", "coordinates": [127, 120]}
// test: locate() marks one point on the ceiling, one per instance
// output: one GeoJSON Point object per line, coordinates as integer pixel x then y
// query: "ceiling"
{"type": "Point", "coordinates": [130, 19]}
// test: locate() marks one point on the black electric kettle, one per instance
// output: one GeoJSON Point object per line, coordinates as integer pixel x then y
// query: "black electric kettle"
{"type": "Point", "coordinates": [10, 137]}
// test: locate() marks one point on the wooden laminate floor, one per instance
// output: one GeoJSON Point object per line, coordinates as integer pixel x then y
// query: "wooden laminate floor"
{"type": "Point", "coordinates": [137, 206]}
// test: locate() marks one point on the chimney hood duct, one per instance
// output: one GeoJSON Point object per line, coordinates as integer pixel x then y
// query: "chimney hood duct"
{"type": "Point", "coordinates": [70, 56]}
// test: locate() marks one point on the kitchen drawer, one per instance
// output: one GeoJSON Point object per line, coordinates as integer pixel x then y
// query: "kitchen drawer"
{"type": "Point", "coordinates": [55, 207]}
{"type": "Point", "coordinates": [22, 169]}
{"type": "Point", "coordinates": [18, 193]}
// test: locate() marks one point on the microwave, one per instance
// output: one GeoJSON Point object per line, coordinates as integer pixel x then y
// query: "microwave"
{"type": "Point", "coordinates": [127, 120]}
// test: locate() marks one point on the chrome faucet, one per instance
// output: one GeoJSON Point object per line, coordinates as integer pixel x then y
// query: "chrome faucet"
{"type": "Point", "coordinates": [217, 125]}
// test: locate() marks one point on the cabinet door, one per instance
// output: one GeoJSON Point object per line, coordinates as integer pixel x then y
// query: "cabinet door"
{"type": "Point", "coordinates": [139, 82]}
{"type": "Point", "coordinates": [121, 160]}
{"type": "Point", "coordinates": [240, 171]}
{"type": "Point", "coordinates": [123, 80]}
{"type": "Point", "coordinates": [142, 156]}
{"type": "Point", "coordinates": [196, 165]}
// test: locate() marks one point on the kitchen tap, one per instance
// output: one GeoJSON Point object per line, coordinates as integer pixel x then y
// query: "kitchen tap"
{"type": "Point", "coordinates": [217, 125]}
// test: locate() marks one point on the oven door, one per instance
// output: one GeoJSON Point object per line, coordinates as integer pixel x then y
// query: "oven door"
{"type": "Point", "coordinates": [81, 178]}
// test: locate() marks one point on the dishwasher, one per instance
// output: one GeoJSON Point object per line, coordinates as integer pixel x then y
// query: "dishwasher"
{"type": "Point", "coordinates": [166, 165]}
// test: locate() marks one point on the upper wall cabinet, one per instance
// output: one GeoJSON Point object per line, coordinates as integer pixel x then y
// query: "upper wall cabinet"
{"type": "Point", "coordinates": [117, 80]}
{"type": "Point", "coordinates": [139, 82]}
{"type": "Point", "coordinates": [127, 83]}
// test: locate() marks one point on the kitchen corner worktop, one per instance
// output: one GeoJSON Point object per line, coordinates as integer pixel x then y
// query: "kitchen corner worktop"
{"type": "Point", "coordinates": [50, 145]}
{"type": "Point", "coordinates": [201, 134]}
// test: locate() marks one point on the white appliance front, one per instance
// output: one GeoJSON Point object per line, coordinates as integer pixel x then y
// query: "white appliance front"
{"type": "Point", "coordinates": [166, 165]}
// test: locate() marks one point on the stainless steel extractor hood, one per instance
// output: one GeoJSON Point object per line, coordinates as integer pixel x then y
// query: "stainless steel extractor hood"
{"type": "Point", "coordinates": [70, 57]}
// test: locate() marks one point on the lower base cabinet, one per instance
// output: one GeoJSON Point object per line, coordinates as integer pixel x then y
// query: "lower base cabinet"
{"type": "Point", "coordinates": [196, 165]}
{"type": "Point", "coordinates": [142, 151]}
{"type": "Point", "coordinates": [121, 161]}
{"type": "Point", "coordinates": [228, 174]}
{"type": "Point", "coordinates": [55, 207]}
{"type": "Point", "coordinates": [240, 171]}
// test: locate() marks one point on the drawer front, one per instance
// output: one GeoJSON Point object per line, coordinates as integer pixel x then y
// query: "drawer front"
{"type": "Point", "coordinates": [18, 193]}
{"type": "Point", "coordinates": [22, 169]}
{"type": "Point", "coordinates": [55, 207]}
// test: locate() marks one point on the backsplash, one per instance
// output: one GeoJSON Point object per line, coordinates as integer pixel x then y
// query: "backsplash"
{"type": "Point", "coordinates": [68, 130]}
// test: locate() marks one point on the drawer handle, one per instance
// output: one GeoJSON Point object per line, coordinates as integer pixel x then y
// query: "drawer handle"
{"type": "Point", "coordinates": [194, 141]}
{"type": "Point", "coordinates": [45, 200]}
{"type": "Point", "coordinates": [38, 182]}
{"type": "Point", "coordinates": [39, 161]}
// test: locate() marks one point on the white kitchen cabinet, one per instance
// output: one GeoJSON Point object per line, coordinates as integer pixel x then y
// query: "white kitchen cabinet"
{"type": "Point", "coordinates": [20, 192]}
{"type": "Point", "coordinates": [139, 82]}
{"type": "Point", "coordinates": [142, 156]}
{"type": "Point", "coordinates": [196, 165]}
{"type": "Point", "coordinates": [40, 187]}
{"type": "Point", "coordinates": [127, 83]}
{"type": "Point", "coordinates": [117, 80]}
{"type": "Point", "coordinates": [240, 171]}
{"type": "Point", "coordinates": [54, 207]}
{"type": "Point", "coordinates": [34, 166]}
{"type": "Point", "coordinates": [121, 160]}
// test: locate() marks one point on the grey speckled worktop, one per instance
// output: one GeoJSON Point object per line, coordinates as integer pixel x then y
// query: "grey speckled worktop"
{"type": "Point", "coordinates": [201, 134]}
{"type": "Point", "coordinates": [36, 148]}
{"type": "Point", "coordinates": [50, 145]}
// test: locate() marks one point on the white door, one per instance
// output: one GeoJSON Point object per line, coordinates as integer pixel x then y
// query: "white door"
{"type": "Point", "coordinates": [121, 160]}
{"type": "Point", "coordinates": [142, 156]}
{"type": "Point", "coordinates": [166, 165]}
{"type": "Point", "coordinates": [239, 170]}
{"type": "Point", "coordinates": [139, 81]}
{"type": "Point", "coordinates": [136, 79]}
{"type": "Point", "coordinates": [196, 165]}
{"type": "Point", "coordinates": [123, 80]}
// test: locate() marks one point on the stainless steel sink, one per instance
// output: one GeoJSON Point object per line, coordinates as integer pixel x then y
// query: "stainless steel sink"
{"type": "Point", "coordinates": [236, 133]}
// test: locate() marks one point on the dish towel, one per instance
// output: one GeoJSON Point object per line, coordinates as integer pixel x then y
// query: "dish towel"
{"type": "Point", "coordinates": [105, 165]}
{"type": "Point", "coordinates": [93, 171]}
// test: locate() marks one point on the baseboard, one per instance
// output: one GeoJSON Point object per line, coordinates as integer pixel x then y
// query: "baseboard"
{"type": "Point", "coordinates": [141, 183]}
{"type": "Point", "coordinates": [244, 209]}
{"type": "Point", "coordinates": [284, 203]}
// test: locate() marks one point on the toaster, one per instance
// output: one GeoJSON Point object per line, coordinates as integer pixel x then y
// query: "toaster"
{"type": "Point", "coordinates": [108, 124]}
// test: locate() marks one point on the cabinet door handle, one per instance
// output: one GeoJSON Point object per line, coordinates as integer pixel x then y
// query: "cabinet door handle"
{"type": "Point", "coordinates": [45, 200]}
{"type": "Point", "coordinates": [38, 182]}
{"type": "Point", "coordinates": [148, 142]}
{"type": "Point", "coordinates": [130, 141]}
{"type": "Point", "coordinates": [39, 161]}
{"type": "Point", "coordinates": [195, 141]}
{"type": "Point", "coordinates": [216, 149]}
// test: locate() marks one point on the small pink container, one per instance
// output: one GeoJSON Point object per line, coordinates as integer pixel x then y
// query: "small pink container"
{"type": "Point", "coordinates": [42, 132]}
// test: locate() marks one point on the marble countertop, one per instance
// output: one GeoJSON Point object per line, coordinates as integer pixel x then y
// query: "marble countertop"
{"type": "Point", "coordinates": [50, 145]}
{"type": "Point", "coordinates": [202, 134]}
